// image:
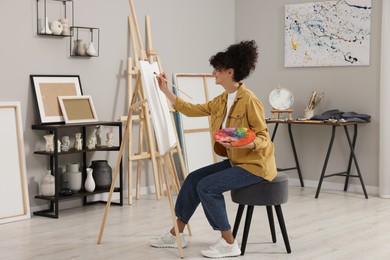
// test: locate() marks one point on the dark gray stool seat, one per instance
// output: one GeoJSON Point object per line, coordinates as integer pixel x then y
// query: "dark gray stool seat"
{"type": "Point", "coordinates": [266, 194]}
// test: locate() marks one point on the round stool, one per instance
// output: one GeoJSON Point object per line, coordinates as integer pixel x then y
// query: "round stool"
{"type": "Point", "coordinates": [267, 194]}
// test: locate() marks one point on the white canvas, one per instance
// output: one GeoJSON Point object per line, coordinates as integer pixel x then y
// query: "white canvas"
{"type": "Point", "coordinates": [329, 33]}
{"type": "Point", "coordinates": [195, 131]}
{"type": "Point", "coordinates": [159, 109]}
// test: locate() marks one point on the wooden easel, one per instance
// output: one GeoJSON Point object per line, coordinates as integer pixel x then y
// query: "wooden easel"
{"type": "Point", "coordinates": [141, 108]}
{"type": "Point", "coordinates": [280, 113]}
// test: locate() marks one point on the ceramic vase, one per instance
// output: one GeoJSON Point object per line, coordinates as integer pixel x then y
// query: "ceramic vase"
{"type": "Point", "coordinates": [56, 27]}
{"type": "Point", "coordinates": [102, 174]}
{"type": "Point", "coordinates": [46, 27]}
{"type": "Point", "coordinates": [73, 177]}
{"type": "Point", "coordinates": [91, 51]}
{"type": "Point", "coordinates": [48, 184]}
{"type": "Point", "coordinates": [80, 48]}
{"type": "Point", "coordinates": [89, 184]}
{"type": "Point", "coordinates": [65, 26]}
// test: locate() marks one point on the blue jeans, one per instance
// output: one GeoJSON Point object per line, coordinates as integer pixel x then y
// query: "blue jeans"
{"type": "Point", "coordinates": [206, 186]}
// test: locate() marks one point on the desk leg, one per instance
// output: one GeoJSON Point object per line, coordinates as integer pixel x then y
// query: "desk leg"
{"type": "Point", "coordinates": [326, 161]}
{"type": "Point", "coordinates": [274, 132]}
{"type": "Point", "coordinates": [352, 147]}
{"type": "Point", "coordinates": [295, 155]}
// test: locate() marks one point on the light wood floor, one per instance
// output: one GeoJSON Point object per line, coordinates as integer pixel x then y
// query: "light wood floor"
{"type": "Point", "coordinates": [338, 225]}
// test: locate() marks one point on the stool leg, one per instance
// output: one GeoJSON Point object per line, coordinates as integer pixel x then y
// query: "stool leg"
{"type": "Point", "coordinates": [271, 223]}
{"type": "Point", "coordinates": [248, 219]}
{"type": "Point", "coordinates": [238, 219]}
{"type": "Point", "coordinates": [282, 225]}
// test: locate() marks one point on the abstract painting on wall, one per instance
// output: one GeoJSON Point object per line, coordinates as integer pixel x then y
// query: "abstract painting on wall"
{"type": "Point", "coordinates": [329, 33]}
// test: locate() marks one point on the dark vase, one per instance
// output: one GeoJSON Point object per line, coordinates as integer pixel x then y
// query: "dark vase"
{"type": "Point", "coordinates": [102, 174]}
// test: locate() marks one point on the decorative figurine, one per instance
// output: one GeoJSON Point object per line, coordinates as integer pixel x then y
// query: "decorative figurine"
{"type": "Point", "coordinates": [91, 143]}
{"type": "Point", "coordinates": [49, 143]}
{"type": "Point", "coordinates": [65, 143]}
{"type": "Point", "coordinates": [98, 136]}
{"type": "Point", "coordinates": [109, 139]}
{"type": "Point", "coordinates": [78, 143]}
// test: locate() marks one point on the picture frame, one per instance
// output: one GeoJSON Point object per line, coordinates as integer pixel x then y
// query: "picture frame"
{"type": "Point", "coordinates": [47, 89]}
{"type": "Point", "coordinates": [78, 109]}
{"type": "Point", "coordinates": [14, 198]}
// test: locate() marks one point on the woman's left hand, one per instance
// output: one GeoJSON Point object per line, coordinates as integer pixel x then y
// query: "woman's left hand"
{"type": "Point", "coordinates": [227, 145]}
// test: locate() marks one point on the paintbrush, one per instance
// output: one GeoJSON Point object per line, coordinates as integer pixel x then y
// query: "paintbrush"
{"type": "Point", "coordinates": [173, 85]}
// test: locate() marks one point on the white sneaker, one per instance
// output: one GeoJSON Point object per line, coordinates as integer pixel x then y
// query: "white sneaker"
{"type": "Point", "coordinates": [167, 241]}
{"type": "Point", "coordinates": [222, 249]}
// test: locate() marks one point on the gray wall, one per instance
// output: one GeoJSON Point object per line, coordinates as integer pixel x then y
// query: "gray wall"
{"type": "Point", "coordinates": [186, 33]}
{"type": "Point", "coordinates": [346, 88]}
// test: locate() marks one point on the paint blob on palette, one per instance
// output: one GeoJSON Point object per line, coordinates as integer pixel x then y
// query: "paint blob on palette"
{"type": "Point", "coordinates": [236, 136]}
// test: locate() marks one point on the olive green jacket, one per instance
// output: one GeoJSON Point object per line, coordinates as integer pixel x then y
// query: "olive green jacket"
{"type": "Point", "coordinates": [247, 111]}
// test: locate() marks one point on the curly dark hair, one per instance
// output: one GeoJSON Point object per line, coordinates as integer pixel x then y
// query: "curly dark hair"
{"type": "Point", "coordinates": [241, 57]}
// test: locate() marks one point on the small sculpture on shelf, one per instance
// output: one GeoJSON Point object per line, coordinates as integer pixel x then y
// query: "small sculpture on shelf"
{"type": "Point", "coordinates": [46, 27]}
{"type": "Point", "coordinates": [80, 50]}
{"type": "Point", "coordinates": [78, 143]}
{"type": "Point", "coordinates": [98, 134]}
{"type": "Point", "coordinates": [49, 147]}
{"type": "Point", "coordinates": [65, 145]}
{"type": "Point", "coordinates": [109, 139]}
{"type": "Point", "coordinates": [47, 184]}
{"type": "Point", "coordinates": [91, 143]}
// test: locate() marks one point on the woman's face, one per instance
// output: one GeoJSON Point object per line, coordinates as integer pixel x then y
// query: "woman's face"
{"type": "Point", "coordinates": [223, 76]}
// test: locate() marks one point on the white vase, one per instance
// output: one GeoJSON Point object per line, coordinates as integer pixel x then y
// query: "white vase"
{"type": "Point", "coordinates": [73, 177]}
{"type": "Point", "coordinates": [89, 185]}
{"type": "Point", "coordinates": [56, 27]}
{"type": "Point", "coordinates": [46, 28]}
{"type": "Point", "coordinates": [91, 51]}
{"type": "Point", "coordinates": [48, 184]}
{"type": "Point", "coordinates": [80, 48]}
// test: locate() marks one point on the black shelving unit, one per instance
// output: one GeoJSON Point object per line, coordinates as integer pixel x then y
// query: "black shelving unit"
{"type": "Point", "coordinates": [55, 129]}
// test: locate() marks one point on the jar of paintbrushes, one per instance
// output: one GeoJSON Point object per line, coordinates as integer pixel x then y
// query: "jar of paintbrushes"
{"type": "Point", "coordinates": [314, 101]}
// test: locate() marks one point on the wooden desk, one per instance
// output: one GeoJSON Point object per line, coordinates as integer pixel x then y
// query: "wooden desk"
{"type": "Point", "coordinates": [352, 158]}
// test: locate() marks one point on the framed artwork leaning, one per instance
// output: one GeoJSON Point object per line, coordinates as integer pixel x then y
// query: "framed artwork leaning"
{"type": "Point", "coordinates": [78, 109]}
{"type": "Point", "coordinates": [47, 89]}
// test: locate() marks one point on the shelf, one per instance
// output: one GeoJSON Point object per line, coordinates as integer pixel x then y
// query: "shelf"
{"type": "Point", "coordinates": [55, 129]}
{"type": "Point", "coordinates": [55, 18]}
{"type": "Point", "coordinates": [84, 41]}
{"type": "Point", "coordinates": [73, 151]}
{"type": "Point", "coordinates": [80, 194]}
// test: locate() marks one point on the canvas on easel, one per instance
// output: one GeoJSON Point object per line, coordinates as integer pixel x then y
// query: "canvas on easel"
{"type": "Point", "coordinates": [158, 106]}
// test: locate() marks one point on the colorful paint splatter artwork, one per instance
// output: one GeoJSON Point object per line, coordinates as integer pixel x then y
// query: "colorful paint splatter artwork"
{"type": "Point", "coordinates": [329, 33]}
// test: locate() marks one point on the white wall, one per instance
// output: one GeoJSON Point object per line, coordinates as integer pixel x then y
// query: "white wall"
{"type": "Point", "coordinates": [185, 33]}
{"type": "Point", "coordinates": [346, 88]}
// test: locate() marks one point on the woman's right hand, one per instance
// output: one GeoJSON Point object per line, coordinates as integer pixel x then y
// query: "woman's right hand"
{"type": "Point", "coordinates": [162, 83]}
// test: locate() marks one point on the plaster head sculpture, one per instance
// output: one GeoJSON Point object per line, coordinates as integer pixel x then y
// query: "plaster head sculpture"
{"type": "Point", "coordinates": [65, 143]}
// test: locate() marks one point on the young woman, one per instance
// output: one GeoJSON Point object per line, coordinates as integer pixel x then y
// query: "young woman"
{"type": "Point", "coordinates": [245, 165]}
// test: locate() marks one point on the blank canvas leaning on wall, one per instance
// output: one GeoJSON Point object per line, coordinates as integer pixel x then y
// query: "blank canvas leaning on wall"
{"type": "Point", "coordinates": [158, 105]}
{"type": "Point", "coordinates": [14, 201]}
{"type": "Point", "coordinates": [195, 132]}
